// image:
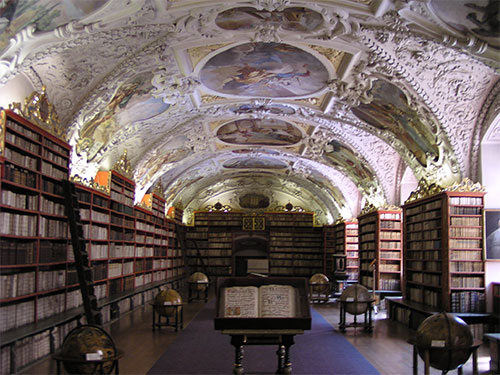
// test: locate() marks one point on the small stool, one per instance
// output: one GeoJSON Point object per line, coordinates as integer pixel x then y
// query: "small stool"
{"type": "Point", "coordinates": [178, 321]}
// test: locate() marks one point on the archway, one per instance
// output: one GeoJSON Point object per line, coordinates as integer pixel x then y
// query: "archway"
{"type": "Point", "coordinates": [250, 254]}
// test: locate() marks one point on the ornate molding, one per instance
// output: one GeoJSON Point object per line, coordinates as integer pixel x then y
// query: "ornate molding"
{"type": "Point", "coordinates": [37, 109]}
{"type": "Point", "coordinates": [123, 167]}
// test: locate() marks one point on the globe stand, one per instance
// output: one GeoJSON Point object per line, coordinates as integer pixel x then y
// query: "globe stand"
{"type": "Point", "coordinates": [198, 291]}
{"type": "Point", "coordinates": [178, 320]}
{"type": "Point", "coordinates": [366, 325]}
{"type": "Point", "coordinates": [445, 352]}
{"type": "Point", "coordinates": [59, 358]}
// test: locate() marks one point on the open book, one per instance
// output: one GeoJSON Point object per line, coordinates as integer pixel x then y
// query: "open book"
{"type": "Point", "coordinates": [266, 301]}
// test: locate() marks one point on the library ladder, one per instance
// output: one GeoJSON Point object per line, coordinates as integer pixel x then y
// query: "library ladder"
{"type": "Point", "coordinates": [83, 269]}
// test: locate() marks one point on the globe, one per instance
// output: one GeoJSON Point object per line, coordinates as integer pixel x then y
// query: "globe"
{"type": "Point", "coordinates": [166, 298]}
{"type": "Point", "coordinates": [319, 283]}
{"type": "Point", "coordinates": [85, 340]}
{"type": "Point", "coordinates": [357, 299]}
{"type": "Point", "coordinates": [448, 338]}
{"type": "Point", "coordinates": [200, 280]}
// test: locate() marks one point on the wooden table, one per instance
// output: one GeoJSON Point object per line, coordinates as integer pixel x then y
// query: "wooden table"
{"type": "Point", "coordinates": [281, 337]}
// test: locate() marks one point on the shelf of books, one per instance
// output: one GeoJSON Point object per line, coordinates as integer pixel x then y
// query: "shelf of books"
{"type": "Point", "coordinates": [295, 246]}
{"type": "Point", "coordinates": [346, 243]}
{"type": "Point", "coordinates": [496, 298]}
{"type": "Point", "coordinates": [380, 248]}
{"type": "Point", "coordinates": [443, 250]}
{"type": "Point", "coordinates": [329, 245]}
{"type": "Point", "coordinates": [34, 260]}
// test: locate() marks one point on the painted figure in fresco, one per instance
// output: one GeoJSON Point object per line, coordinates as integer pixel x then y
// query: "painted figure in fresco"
{"type": "Point", "coordinates": [132, 102]}
{"type": "Point", "coordinates": [266, 70]}
{"type": "Point", "coordinates": [292, 19]}
{"type": "Point", "coordinates": [261, 132]}
{"type": "Point", "coordinates": [343, 157]}
{"type": "Point", "coordinates": [389, 112]}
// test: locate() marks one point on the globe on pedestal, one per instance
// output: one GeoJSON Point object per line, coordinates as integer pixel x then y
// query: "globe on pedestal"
{"type": "Point", "coordinates": [448, 339]}
{"type": "Point", "coordinates": [164, 301]}
{"type": "Point", "coordinates": [199, 280]}
{"type": "Point", "coordinates": [319, 283]}
{"type": "Point", "coordinates": [84, 340]}
{"type": "Point", "coordinates": [356, 298]}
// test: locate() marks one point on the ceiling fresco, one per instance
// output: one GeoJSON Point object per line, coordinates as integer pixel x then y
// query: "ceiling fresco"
{"type": "Point", "coordinates": [265, 132]}
{"type": "Point", "coordinates": [257, 163]}
{"type": "Point", "coordinates": [44, 15]}
{"type": "Point", "coordinates": [323, 105]}
{"type": "Point", "coordinates": [290, 19]}
{"type": "Point", "coordinates": [270, 70]}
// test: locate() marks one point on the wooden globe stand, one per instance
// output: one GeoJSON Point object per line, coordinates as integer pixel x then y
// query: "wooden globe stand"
{"type": "Point", "coordinates": [445, 352]}
{"type": "Point", "coordinates": [176, 321]}
{"type": "Point", "coordinates": [367, 324]}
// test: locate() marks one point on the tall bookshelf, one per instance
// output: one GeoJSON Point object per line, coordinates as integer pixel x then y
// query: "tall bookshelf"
{"type": "Point", "coordinates": [329, 249]}
{"type": "Point", "coordinates": [295, 246]}
{"type": "Point", "coordinates": [34, 260]}
{"type": "Point", "coordinates": [380, 248]}
{"type": "Point", "coordinates": [347, 243]}
{"type": "Point", "coordinates": [443, 249]}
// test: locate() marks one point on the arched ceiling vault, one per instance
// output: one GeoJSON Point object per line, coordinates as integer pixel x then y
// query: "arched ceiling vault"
{"type": "Point", "coordinates": [318, 104]}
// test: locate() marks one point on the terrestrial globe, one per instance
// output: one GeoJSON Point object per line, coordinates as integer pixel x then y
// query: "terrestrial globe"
{"type": "Point", "coordinates": [164, 301]}
{"type": "Point", "coordinates": [356, 299]}
{"type": "Point", "coordinates": [199, 281]}
{"type": "Point", "coordinates": [448, 339]}
{"type": "Point", "coordinates": [84, 340]}
{"type": "Point", "coordinates": [319, 283]}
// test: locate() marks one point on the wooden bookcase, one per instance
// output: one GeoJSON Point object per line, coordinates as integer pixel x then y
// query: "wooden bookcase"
{"type": "Point", "coordinates": [133, 250]}
{"type": "Point", "coordinates": [294, 246]}
{"type": "Point", "coordinates": [496, 298]}
{"type": "Point", "coordinates": [380, 249]}
{"type": "Point", "coordinates": [33, 228]}
{"type": "Point", "coordinates": [347, 243]}
{"type": "Point", "coordinates": [329, 249]}
{"type": "Point", "coordinates": [443, 251]}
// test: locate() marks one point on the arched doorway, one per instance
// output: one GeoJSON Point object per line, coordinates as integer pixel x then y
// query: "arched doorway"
{"type": "Point", "coordinates": [250, 254]}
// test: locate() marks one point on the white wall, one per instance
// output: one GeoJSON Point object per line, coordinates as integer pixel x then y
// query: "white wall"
{"type": "Point", "coordinates": [490, 178]}
{"type": "Point", "coordinates": [15, 90]}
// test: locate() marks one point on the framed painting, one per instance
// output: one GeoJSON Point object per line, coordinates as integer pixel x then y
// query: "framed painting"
{"type": "Point", "coordinates": [492, 233]}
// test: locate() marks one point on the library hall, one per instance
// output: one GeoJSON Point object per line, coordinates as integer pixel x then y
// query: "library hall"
{"type": "Point", "coordinates": [193, 187]}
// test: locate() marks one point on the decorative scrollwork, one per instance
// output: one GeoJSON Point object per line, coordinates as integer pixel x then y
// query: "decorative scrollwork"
{"type": "Point", "coordinates": [123, 166]}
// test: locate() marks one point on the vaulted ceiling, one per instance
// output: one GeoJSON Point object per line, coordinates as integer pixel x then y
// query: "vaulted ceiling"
{"type": "Point", "coordinates": [256, 104]}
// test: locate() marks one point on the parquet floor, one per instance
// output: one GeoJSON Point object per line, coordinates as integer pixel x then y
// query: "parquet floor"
{"type": "Point", "coordinates": [386, 347]}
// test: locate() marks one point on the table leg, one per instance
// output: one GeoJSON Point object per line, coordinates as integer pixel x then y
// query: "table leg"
{"type": "Point", "coordinates": [281, 359]}
{"type": "Point", "coordinates": [426, 362]}
{"type": "Point", "coordinates": [415, 360]}
{"type": "Point", "coordinates": [474, 362]}
{"type": "Point", "coordinates": [154, 318]}
{"type": "Point", "coordinates": [237, 342]}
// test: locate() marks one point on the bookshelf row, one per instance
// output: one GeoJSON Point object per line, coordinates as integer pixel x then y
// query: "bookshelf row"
{"type": "Point", "coordinates": [129, 246]}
